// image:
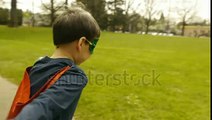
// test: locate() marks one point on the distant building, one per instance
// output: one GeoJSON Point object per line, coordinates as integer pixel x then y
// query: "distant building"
{"type": "Point", "coordinates": [197, 31]}
{"type": "Point", "coordinates": [39, 20]}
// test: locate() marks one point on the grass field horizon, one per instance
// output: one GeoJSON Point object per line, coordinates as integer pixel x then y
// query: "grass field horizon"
{"type": "Point", "coordinates": [180, 64]}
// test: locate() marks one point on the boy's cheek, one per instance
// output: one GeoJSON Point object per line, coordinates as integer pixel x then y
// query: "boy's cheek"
{"type": "Point", "coordinates": [84, 57]}
{"type": "Point", "coordinates": [84, 54]}
{"type": "Point", "coordinates": [87, 55]}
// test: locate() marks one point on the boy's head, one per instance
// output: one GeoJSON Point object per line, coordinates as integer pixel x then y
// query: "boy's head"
{"type": "Point", "coordinates": [77, 32]}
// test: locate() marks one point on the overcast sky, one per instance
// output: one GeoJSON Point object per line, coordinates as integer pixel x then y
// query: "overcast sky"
{"type": "Point", "coordinates": [202, 6]}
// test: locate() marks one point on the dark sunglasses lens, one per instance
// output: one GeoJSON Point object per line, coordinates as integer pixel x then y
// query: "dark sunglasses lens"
{"type": "Point", "coordinates": [91, 47]}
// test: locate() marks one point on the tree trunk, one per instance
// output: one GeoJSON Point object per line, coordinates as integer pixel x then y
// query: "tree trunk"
{"type": "Point", "coordinates": [183, 29]}
{"type": "Point", "coordinates": [147, 26]}
{"type": "Point", "coordinates": [52, 12]}
{"type": "Point", "coordinates": [13, 14]}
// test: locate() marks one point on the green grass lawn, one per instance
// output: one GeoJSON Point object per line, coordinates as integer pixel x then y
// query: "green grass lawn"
{"type": "Point", "coordinates": [132, 77]}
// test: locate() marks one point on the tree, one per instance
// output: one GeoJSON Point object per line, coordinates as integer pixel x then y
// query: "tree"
{"type": "Point", "coordinates": [4, 16]}
{"type": "Point", "coordinates": [186, 12]}
{"type": "Point", "coordinates": [161, 24]}
{"type": "Point", "coordinates": [13, 14]}
{"type": "Point", "coordinates": [19, 17]}
{"type": "Point", "coordinates": [97, 9]}
{"type": "Point", "coordinates": [150, 9]}
{"type": "Point", "coordinates": [53, 7]}
{"type": "Point", "coordinates": [116, 17]}
{"type": "Point", "coordinates": [128, 18]}
{"type": "Point", "coordinates": [134, 22]}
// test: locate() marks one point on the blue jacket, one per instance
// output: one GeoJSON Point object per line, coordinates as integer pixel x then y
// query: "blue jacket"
{"type": "Point", "coordinates": [60, 100]}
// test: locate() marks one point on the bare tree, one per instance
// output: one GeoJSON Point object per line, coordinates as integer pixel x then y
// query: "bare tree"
{"type": "Point", "coordinates": [150, 10]}
{"type": "Point", "coordinates": [186, 12]}
{"type": "Point", "coordinates": [53, 7]}
{"type": "Point", "coordinates": [127, 8]}
{"type": "Point", "coordinates": [13, 14]}
{"type": "Point", "coordinates": [131, 5]}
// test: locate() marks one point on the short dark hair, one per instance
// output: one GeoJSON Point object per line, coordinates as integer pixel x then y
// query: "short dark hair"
{"type": "Point", "coordinates": [73, 24]}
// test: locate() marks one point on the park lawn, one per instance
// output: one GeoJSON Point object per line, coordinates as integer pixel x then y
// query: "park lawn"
{"type": "Point", "coordinates": [131, 77]}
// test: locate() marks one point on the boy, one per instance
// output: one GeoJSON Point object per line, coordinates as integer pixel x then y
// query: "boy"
{"type": "Point", "coordinates": [75, 34]}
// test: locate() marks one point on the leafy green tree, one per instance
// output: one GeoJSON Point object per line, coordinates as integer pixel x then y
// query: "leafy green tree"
{"type": "Point", "coordinates": [19, 17]}
{"type": "Point", "coordinates": [134, 22]}
{"type": "Point", "coordinates": [116, 18]}
{"type": "Point", "coordinates": [97, 9]}
{"type": "Point", "coordinates": [4, 16]}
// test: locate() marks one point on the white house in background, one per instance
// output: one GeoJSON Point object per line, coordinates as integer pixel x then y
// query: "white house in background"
{"type": "Point", "coordinates": [197, 31]}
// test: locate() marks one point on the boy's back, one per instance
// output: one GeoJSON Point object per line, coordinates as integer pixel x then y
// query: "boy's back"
{"type": "Point", "coordinates": [75, 35]}
{"type": "Point", "coordinates": [69, 86]}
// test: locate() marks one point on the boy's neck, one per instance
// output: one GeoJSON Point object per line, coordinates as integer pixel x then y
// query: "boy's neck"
{"type": "Point", "coordinates": [60, 53]}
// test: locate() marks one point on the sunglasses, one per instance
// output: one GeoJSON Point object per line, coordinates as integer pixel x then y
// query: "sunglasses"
{"type": "Point", "coordinates": [92, 44]}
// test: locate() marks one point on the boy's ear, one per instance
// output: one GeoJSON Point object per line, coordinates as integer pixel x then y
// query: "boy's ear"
{"type": "Point", "coordinates": [80, 43]}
